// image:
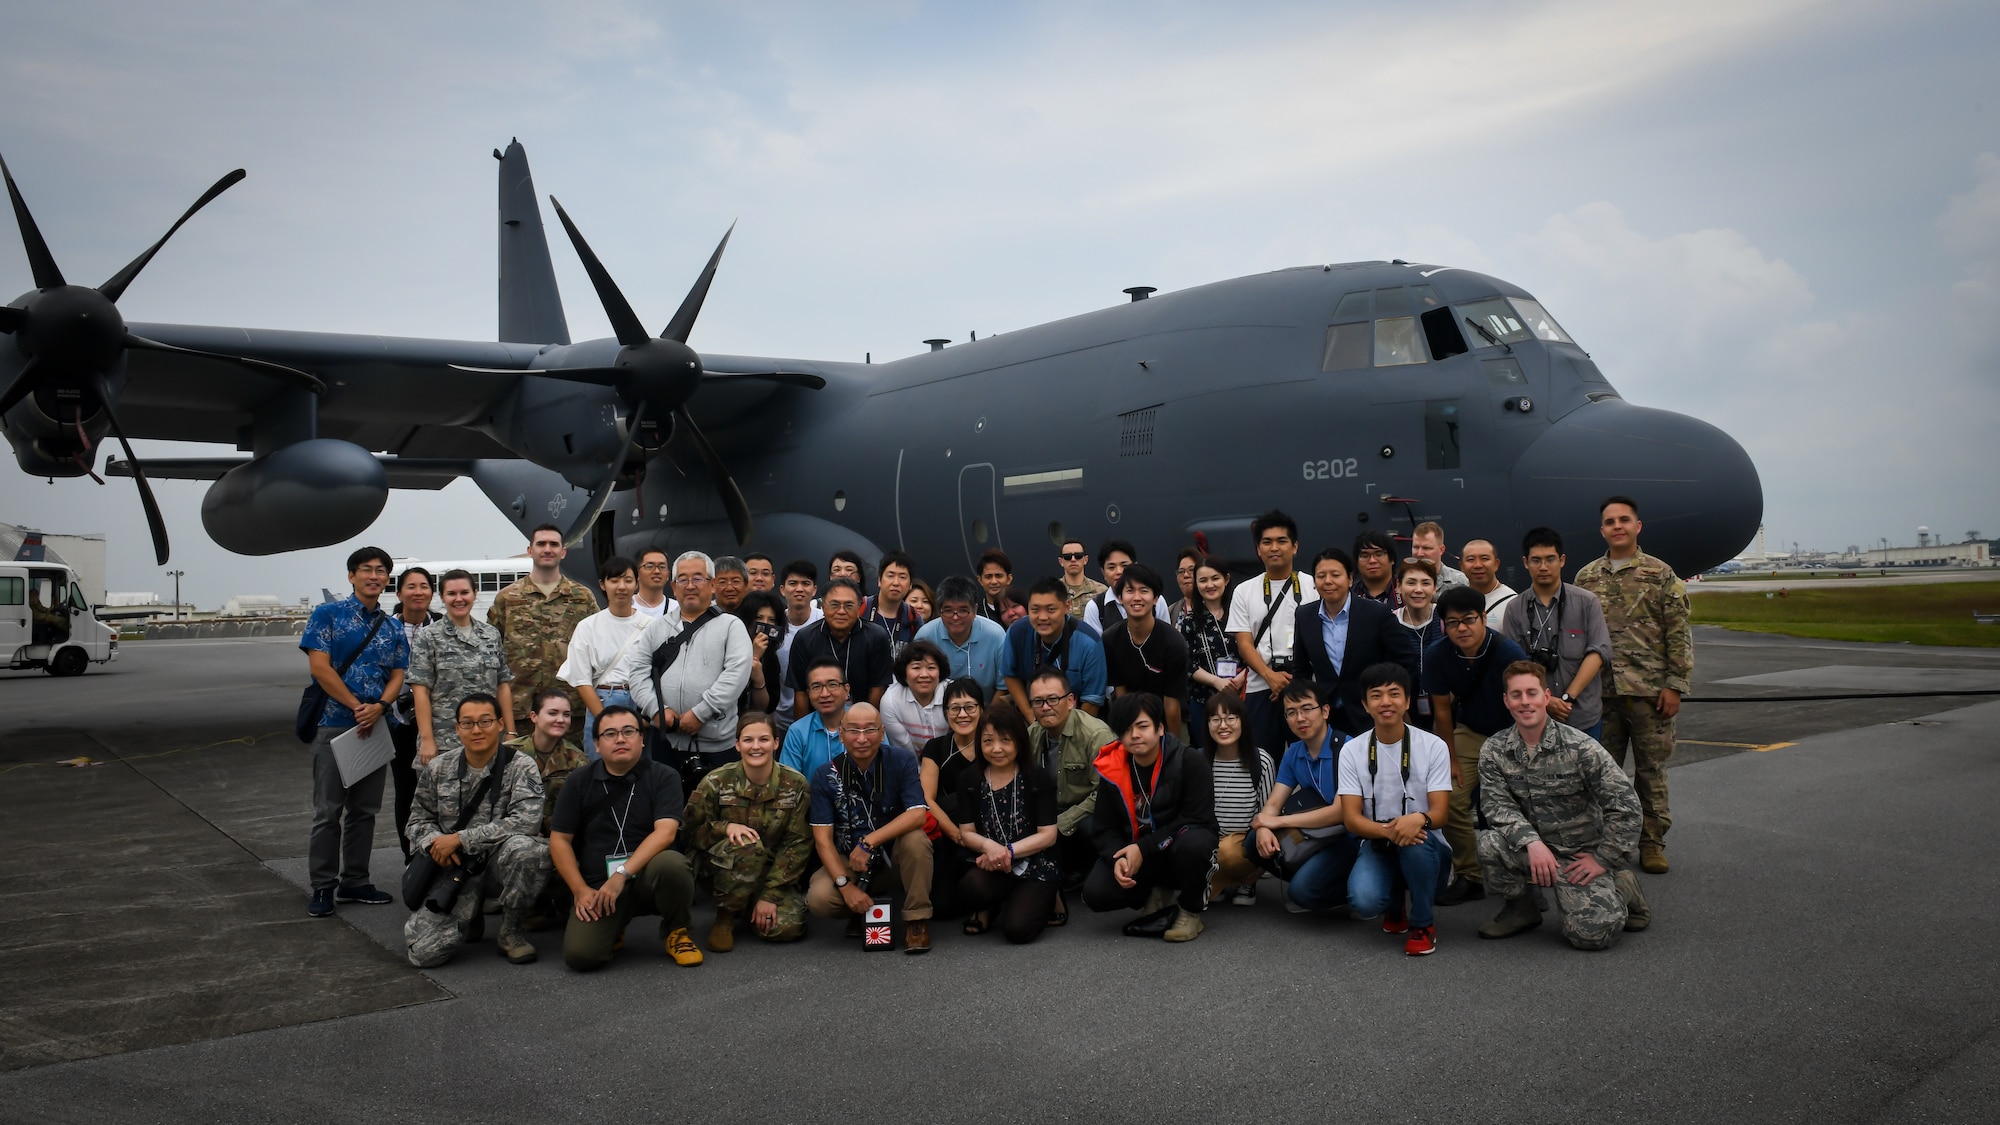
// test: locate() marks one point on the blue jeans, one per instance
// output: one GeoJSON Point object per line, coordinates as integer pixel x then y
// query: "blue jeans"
{"type": "Point", "coordinates": [1382, 874]}
{"type": "Point", "coordinates": [1322, 882]}
{"type": "Point", "coordinates": [1596, 731]}
{"type": "Point", "coordinates": [619, 696]}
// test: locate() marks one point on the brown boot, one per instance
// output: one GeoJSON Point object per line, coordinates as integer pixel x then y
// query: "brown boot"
{"type": "Point", "coordinates": [722, 935]}
{"type": "Point", "coordinates": [511, 943]}
{"type": "Point", "coordinates": [1638, 915]}
{"type": "Point", "coordinates": [917, 936]}
{"type": "Point", "coordinates": [1518, 917]}
{"type": "Point", "coordinates": [1653, 857]}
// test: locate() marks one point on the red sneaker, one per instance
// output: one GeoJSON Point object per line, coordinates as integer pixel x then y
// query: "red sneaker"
{"type": "Point", "coordinates": [1422, 941]}
{"type": "Point", "coordinates": [1396, 921]}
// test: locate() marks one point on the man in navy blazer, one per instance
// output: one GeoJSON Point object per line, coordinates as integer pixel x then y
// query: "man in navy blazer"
{"type": "Point", "coordinates": [1361, 631]}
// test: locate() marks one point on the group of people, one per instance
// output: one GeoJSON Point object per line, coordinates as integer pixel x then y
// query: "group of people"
{"type": "Point", "coordinates": [1383, 736]}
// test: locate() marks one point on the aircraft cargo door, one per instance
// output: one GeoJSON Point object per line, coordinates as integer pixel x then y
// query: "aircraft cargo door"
{"type": "Point", "coordinates": [978, 512]}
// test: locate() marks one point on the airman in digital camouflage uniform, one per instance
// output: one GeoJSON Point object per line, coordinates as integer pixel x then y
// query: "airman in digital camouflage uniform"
{"type": "Point", "coordinates": [751, 837]}
{"type": "Point", "coordinates": [535, 616]}
{"type": "Point", "coordinates": [1560, 814]}
{"type": "Point", "coordinates": [452, 660]}
{"type": "Point", "coordinates": [1652, 662]}
{"type": "Point", "coordinates": [503, 835]}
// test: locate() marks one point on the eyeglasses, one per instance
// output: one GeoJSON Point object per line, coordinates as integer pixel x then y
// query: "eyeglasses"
{"type": "Point", "coordinates": [691, 579]}
{"type": "Point", "coordinates": [955, 609]}
{"type": "Point", "coordinates": [617, 732]}
{"type": "Point", "coordinates": [817, 689]}
{"type": "Point", "coordinates": [1226, 717]}
{"type": "Point", "coordinates": [1460, 622]}
{"type": "Point", "coordinates": [653, 566]}
{"type": "Point", "coordinates": [860, 730]}
{"type": "Point", "coordinates": [962, 709]}
{"type": "Point", "coordinates": [1072, 556]}
{"type": "Point", "coordinates": [478, 724]}
{"type": "Point", "coordinates": [1301, 712]}
{"type": "Point", "coordinates": [1046, 702]}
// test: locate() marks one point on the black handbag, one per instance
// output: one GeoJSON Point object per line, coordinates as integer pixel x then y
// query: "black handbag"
{"type": "Point", "coordinates": [1297, 845]}
{"type": "Point", "coordinates": [428, 883]}
{"type": "Point", "coordinates": [313, 700]}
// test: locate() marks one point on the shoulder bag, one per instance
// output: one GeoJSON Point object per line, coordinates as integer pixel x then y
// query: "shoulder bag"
{"type": "Point", "coordinates": [313, 700]}
{"type": "Point", "coordinates": [685, 760]}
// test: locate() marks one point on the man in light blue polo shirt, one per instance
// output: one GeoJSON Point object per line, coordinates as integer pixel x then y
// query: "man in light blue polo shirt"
{"type": "Point", "coordinates": [975, 645]}
{"type": "Point", "coordinates": [813, 742]}
{"type": "Point", "coordinates": [1048, 636]}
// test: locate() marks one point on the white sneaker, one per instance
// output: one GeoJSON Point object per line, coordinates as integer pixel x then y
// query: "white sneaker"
{"type": "Point", "coordinates": [1244, 896]}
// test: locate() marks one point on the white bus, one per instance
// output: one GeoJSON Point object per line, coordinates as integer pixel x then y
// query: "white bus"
{"type": "Point", "coordinates": [489, 577]}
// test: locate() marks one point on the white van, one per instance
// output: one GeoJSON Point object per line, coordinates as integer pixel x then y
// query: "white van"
{"type": "Point", "coordinates": [46, 623]}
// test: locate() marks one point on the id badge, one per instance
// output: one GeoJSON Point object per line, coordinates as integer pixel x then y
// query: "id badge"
{"type": "Point", "coordinates": [611, 863]}
{"type": "Point", "coordinates": [1227, 669]}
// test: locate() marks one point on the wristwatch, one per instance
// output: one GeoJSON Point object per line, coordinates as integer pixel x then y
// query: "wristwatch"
{"type": "Point", "coordinates": [1565, 697]}
{"type": "Point", "coordinates": [620, 870]}
{"type": "Point", "coordinates": [1427, 821]}
{"type": "Point", "coordinates": [841, 881]}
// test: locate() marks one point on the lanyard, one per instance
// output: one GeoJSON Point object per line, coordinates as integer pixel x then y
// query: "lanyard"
{"type": "Point", "coordinates": [1057, 653]}
{"type": "Point", "coordinates": [1011, 825]}
{"type": "Point", "coordinates": [619, 818]}
{"type": "Point", "coordinates": [849, 782]}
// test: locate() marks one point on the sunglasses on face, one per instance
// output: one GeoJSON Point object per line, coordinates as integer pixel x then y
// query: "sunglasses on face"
{"type": "Point", "coordinates": [1072, 556]}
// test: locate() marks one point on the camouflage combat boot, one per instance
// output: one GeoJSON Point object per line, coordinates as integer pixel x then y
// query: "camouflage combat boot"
{"type": "Point", "coordinates": [722, 935]}
{"type": "Point", "coordinates": [1518, 917]}
{"type": "Point", "coordinates": [1637, 914]}
{"type": "Point", "coordinates": [511, 944]}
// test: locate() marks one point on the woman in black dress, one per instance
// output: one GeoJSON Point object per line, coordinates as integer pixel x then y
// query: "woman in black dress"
{"type": "Point", "coordinates": [1007, 820]}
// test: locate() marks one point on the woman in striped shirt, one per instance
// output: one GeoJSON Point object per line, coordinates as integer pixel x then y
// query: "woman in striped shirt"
{"type": "Point", "coordinates": [1242, 775]}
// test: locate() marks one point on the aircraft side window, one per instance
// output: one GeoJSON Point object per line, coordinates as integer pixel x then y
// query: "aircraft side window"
{"type": "Point", "coordinates": [1441, 434]}
{"type": "Point", "coordinates": [1442, 334]}
{"type": "Point", "coordinates": [1346, 347]}
{"type": "Point", "coordinates": [1539, 321]}
{"type": "Point", "coordinates": [1396, 341]}
{"type": "Point", "coordinates": [1494, 321]}
{"type": "Point", "coordinates": [1504, 372]}
{"type": "Point", "coordinates": [1353, 306]}
{"type": "Point", "coordinates": [13, 590]}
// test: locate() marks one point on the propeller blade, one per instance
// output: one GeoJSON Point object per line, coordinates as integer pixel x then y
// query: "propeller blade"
{"type": "Point", "coordinates": [788, 378]}
{"type": "Point", "coordinates": [115, 288]}
{"type": "Point", "coordinates": [624, 322]}
{"type": "Point", "coordinates": [154, 521]}
{"type": "Point", "coordinates": [23, 383]}
{"type": "Point", "coordinates": [291, 375]}
{"type": "Point", "coordinates": [601, 495]}
{"type": "Point", "coordinates": [725, 485]}
{"type": "Point", "coordinates": [595, 376]}
{"type": "Point", "coordinates": [12, 319]}
{"type": "Point", "coordinates": [43, 263]}
{"type": "Point", "coordinates": [678, 328]}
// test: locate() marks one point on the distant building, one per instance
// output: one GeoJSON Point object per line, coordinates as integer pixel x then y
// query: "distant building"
{"type": "Point", "coordinates": [255, 605]}
{"type": "Point", "coordinates": [1974, 553]}
{"type": "Point", "coordinates": [129, 599]}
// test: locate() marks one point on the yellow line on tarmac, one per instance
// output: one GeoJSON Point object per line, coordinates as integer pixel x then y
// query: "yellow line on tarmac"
{"type": "Point", "coordinates": [1759, 748]}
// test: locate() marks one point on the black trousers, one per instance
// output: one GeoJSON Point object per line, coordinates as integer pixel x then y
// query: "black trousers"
{"type": "Point", "coordinates": [1076, 855]}
{"type": "Point", "coordinates": [1022, 905]}
{"type": "Point", "coordinates": [949, 863]}
{"type": "Point", "coordinates": [1182, 865]}
{"type": "Point", "coordinates": [403, 771]}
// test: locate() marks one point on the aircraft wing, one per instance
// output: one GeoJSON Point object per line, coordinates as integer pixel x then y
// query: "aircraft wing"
{"type": "Point", "coordinates": [383, 392]}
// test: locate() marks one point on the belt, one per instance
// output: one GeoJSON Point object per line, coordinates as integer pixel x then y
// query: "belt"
{"type": "Point", "coordinates": [611, 687]}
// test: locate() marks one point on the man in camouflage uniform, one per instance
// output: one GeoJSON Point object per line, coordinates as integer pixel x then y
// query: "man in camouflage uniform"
{"type": "Point", "coordinates": [1652, 662]}
{"type": "Point", "coordinates": [751, 839]}
{"type": "Point", "coordinates": [536, 615]}
{"type": "Point", "coordinates": [456, 658]}
{"type": "Point", "coordinates": [1561, 814]}
{"type": "Point", "coordinates": [502, 835]}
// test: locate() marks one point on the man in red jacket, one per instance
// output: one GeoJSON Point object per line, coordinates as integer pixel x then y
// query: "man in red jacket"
{"type": "Point", "coordinates": [1153, 824]}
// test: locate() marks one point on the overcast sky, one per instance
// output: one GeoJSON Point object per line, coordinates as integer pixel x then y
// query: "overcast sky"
{"type": "Point", "coordinates": [1783, 217]}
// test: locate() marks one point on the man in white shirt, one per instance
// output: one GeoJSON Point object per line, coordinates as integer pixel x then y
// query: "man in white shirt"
{"type": "Point", "coordinates": [800, 588]}
{"type": "Point", "coordinates": [1394, 787]}
{"type": "Point", "coordinates": [1427, 542]}
{"type": "Point", "coordinates": [1482, 573]}
{"type": "Point", "coordinates": [654, 570]}
{"type": "Point", "coordinates": [600, 642]}
{"type": "Point", "coordinates": [1262, 619]}
{"type": "Point", "coordinates": [1108, 608]}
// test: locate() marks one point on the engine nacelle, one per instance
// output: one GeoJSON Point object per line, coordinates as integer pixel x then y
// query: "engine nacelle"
{"type": "Point", "coordinates": [311, 494]}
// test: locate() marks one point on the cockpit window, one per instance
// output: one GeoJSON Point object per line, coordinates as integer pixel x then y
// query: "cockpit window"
{"type": "Point", "coordinates": [1353, 306]}
{"type": "Point", "coordinates": [1346, 346]}
{"type": "Point", "coordinates": [1392, 302]}
{"type": "Point", "coordinates": [1396, 341]}
{"type": "Point", "coordinates": [1539, 321]}
{"type": "Point", "coordinates": [1508, 320]}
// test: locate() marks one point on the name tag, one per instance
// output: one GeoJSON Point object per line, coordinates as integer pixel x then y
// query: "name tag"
{"type": "Point", "coordinates": [1227, 669]}
{"type": "Point", "coordinates": [611, 863]}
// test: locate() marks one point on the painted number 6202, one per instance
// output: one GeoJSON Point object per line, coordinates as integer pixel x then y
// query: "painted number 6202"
{"type": "Point", "coordinates": [1331, 470]}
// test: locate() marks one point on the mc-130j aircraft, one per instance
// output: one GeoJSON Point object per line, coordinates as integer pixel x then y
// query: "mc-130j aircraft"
{"type": "Point", "coordinates": [1355, 396]}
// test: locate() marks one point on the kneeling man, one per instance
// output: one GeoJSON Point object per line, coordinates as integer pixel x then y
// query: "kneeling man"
{"type": "Point", "coordinates": [1562, 814]}
{"type": "Point", "coordinates": [492, 827]}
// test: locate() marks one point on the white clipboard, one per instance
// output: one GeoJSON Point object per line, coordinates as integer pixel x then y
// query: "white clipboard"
{"type": "Point", "coordinates": [357, 756]}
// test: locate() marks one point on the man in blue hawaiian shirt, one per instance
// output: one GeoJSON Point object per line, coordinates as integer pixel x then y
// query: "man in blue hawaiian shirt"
{"type": "Point", "coordinates": [352, 632]}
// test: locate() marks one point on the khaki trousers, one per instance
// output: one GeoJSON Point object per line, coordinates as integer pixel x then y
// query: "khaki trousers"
{"type": "Point", "coordinates": [909, 872]}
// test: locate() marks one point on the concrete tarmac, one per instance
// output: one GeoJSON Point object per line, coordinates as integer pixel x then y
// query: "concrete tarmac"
{"type": "Point", "coordinates": [1824, 949]}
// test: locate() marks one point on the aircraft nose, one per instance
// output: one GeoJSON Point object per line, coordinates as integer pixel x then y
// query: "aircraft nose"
{"type": "Point", "coordinates": [1699, 495]}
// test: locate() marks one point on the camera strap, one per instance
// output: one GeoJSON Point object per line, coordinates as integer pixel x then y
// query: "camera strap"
{"type": "Point", "coordinates": [1373, 806]}
{"type": "Point", "coordinates": [1271, 601]}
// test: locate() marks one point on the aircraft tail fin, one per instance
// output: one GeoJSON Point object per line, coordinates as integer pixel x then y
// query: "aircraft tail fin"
{"type": "Point", "coordinates": [531, 309]}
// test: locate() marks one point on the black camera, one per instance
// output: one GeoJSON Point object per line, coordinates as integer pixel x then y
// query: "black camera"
{"type": "Point", "coordinates": [766, 628]}
{"type": "Point", "coordinates": [1548, 658]}
{"type": "Point", "coordinates": [1281, 664]}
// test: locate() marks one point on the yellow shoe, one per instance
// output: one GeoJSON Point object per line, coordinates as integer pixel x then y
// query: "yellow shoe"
{"type": "Point", "coordinates": [682, 949]}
